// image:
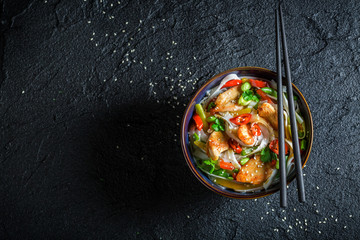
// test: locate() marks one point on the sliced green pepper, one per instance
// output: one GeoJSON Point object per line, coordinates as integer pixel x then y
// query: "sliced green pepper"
{"type": "Point", "coordinates": [269, 91]}
{"type": "Point", "coordinates": [211, 119]}
{"type": "Point", "coordinates": [242, 101]}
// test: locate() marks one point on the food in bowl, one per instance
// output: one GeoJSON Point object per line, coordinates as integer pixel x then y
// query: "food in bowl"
{"type": "Point", "coordinates": [233, 133]}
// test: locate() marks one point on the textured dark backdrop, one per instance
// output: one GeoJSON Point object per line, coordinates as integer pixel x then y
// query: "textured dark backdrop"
{"type": "Point", "coordinates": [91, 97]}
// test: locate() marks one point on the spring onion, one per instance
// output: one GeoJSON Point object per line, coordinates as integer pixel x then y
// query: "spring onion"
{"type": "Point", "coordinates": [244, 161]}
{"type": "Point", "coordinates": [245, 86]}
{"type": "Point", "coordinates": [242, 111]}
{"type": "Point", "coordinates": [211, 119]}
{"type": "Point", "coordinates": [201, 145]}
{"type": "Point", "coordinates": [277, 164]}
{"type": "Point", "coordinates": [246, 151]}
{"type": "Point", "coordinates": [211, 105]}
{"type": "Point", "coordinates": [242, 101]}
{"type": "Point", "coordinates": [196, 137]}
{"type": "Point", "coordinates": [303, 144]}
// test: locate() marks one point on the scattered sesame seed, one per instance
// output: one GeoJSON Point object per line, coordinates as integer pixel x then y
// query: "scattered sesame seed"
{"type": "Point", "coordinates": [23, 92]}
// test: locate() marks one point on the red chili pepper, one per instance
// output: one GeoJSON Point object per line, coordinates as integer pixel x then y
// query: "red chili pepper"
{"type": "Point", "coordinates": [263, 95]}
{"type": "Point", "coordinates": [255, 130]}
{"type": "Point", "coordinates": [235, 145]}
{"type": "Point", "coordinates": [257, 83]}
{"type": "Point", "coordinates": [198, 121]}
{"type": "Point", "coordinates": [274, 146]}
{"type": "Point", "coordinates": [232, 83]}
{"type": "Point", "coordinates": [226, 165]}
{"type": "Point", "coordinates": [242, 119]}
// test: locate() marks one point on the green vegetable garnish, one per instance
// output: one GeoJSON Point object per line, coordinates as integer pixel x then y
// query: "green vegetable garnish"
{"type": "Point", "coordinates": [242, 102]}
{"type": "Point", "coordinates": [303, 144]}
{"type": "Point", "coordinates": [218, 125]}
{"type": "Point", "coordinates": [245, 86]}
{"type": "Point", "coordinates": [211, 105]}
{"type": "Point", "coordinates": [246, 151]}
{"type": "Point", "coordinates": [244, 161]}
{"type": "Point", "coordinates": [230, 178]}
{"type": "Point", "coordinates": [199, 110]}
{"type": "Point", "coordinates": [269, 91]}
{"type": "Point", "coordinates": [211, 119]}
{"type": "Point", "coordinates": [236, 170]}
{"type": "Point", "coordinates": [196, 137]}
{"type": "Point", "coordinates": [265, 155]}
{"type": "Point", "coordinates": [277, 164]}
{"type": "Point", "coordinates": [211, 163]}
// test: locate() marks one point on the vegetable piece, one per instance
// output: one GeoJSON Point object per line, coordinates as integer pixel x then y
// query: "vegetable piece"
{"type": "Point", "coordinates": [244, 80]}
{"type": "Point", "coordinates": [303, 144]}
{"type": "Point", "coordinates": [201, 112]}
{"type": "Point", "coordinates": [232, 83]}
{"type": "Point", "coordinates": [274, 146]}
{"type": "Point", "coordinates": [269, 91]}
{"type": "Point", "coordinates": [211, 119]}
{"type": "Point", "coordinates": [226, 165]}
{"type": "Point", "coordinates": [242, 102]}
{"type": "Point", "coordinates": [235, 146]}
{"type": "Point", "coordinates": [210, 163]}
{"type": "Point", "coordinates": [245, 86]}
{"type": "Point", "coordinates": [244, 161]}
{"type": "Point", "coordinates": [222, 173]}
{"type": "Point", "coordinates": [257, 83]}
{"type": "Point", "coordinates": [255, 130]}
{"type": "Point", "coordinates": [218, 125]}
{"type": "Point", "coordinates": [210, 106]}
{"type": "Point", "coordinates": [242, 119]}
{"type": "Point", "coordinates": [263, 95]}
{"type": "Point", "coordinates": [249, 95]}
{"type": "Point", "coordinates": [246, 151]}
{"type": "Point", "coordinates": [201, 145]}
{"type": "Point", "coordinates": [198, 121]}
{"type": "Point", "coordinates": [196, 137]}
{"type": "Point", "coordinates": [277, 164]}
{"type": "Point", "coordinates": [265, 155]}
{"type": "Point", "coordinates": [236, 170]}
{"type": "Point", "coordinates": [242, 111]}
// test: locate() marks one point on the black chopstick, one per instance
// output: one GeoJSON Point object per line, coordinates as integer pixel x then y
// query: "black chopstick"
{"type": "Point", "coordinates": [294, 132]}
{"type": "Point", "coordinates": [281, 137]}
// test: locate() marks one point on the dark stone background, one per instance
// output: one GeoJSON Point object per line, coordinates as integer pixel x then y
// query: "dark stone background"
{"type": "Point", "coordinates": [92, 94]}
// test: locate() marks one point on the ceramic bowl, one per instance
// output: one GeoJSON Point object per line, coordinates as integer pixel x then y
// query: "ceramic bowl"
{"type": "Point", "coordinates": [255, 72]}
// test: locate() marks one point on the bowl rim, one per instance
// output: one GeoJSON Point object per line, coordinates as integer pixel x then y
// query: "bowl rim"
{"type": "Point", "coordinates": [184, 135]}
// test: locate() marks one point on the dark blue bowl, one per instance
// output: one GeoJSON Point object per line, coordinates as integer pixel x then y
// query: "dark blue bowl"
{"type": "Point", "coordinates": [255, 72]}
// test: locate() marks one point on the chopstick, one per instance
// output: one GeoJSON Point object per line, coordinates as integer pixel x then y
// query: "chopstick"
{"type": "Point", "coordinates": [281, 137]}
{"type": "Point", "coordinates": [295, 141]}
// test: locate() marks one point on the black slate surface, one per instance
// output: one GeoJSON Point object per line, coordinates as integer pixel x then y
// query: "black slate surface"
{"type": "Point", "coordinates": [91, 97]}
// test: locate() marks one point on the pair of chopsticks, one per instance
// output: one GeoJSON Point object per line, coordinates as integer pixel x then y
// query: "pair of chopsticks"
{"type": "Point", "coordinates": [282, 164]}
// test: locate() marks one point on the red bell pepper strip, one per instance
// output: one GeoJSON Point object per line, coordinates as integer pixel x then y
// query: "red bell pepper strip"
{"type": "Point", "coordinates": [226, 165]}
{"type": "Point", "coordinates": [257, 83]}
{"type": "Point", "coordinates": [232, 83]}
{"type": "Point", "coordinates": [264, 96]}
{"type": "Point", "coordinates": [274, 146]}
{"type": "Point", "coordinates": [235, 146]}
{"type": "Point", "coordinates": [255, 130]}
{"type": "Point", "coordinates": [198, 121]}
{"type": "Point", "coordinates": [242, 119]}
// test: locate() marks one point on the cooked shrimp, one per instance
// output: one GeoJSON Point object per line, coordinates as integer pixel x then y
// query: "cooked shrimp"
{"type": "Point", "coordinates": [254, 171]}
{"type": "Point", "coordinates": [227, 96]}
{"type": "Point", "coordinates": [216, 144]}
{"type": "Point", "coordinates": [267, 111]}
{"type": "Point", "coordinates": [245, 135]}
